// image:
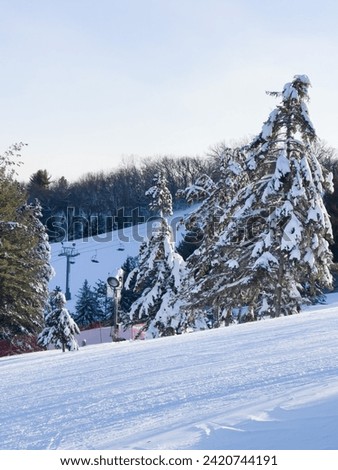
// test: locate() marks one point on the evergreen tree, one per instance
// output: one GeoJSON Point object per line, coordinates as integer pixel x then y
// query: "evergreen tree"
{"type": "Point", "coordinates": [210, 216]}
{"type": "Point", "coordinates": [60, 328]}
{"type": "Point", "coordinates": [24, 258]}
{"type": "Point", "coordinates": [39, 262]}
{"type": "Point", "coordinates": [158, 274]}
{"type": "Point", "coordinates": [88, 309]}
{"type": "Point", "coordinates": [199, 191]}
{"type": "Point", "coordinates": [105, 304]}
{"type": "Point", "coordinates": [41, 179]}
{"type": "Point", "coordinates": [208, 222]}
{"type": "Point", "coordinates": [160, 196]}
{"type": "Point", "coordinates": [128, 296]}
{"type": "Point", "coordinates": [273, 254]}
{"type": "Point", "coordinates": [38, 188]}
{"type": "Point", "coordinates": [191, 241]}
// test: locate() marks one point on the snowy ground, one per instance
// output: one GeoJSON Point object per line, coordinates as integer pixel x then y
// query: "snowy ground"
{"type": "Point", "coordinates": [268, 385]}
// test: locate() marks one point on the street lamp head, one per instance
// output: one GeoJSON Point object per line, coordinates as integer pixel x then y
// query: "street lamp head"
{"type": "Point", "coordinates": [113, 282]}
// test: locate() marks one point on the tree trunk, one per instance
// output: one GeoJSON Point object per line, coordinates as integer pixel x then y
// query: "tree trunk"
{"type": "Point", "coordinates": [278, 297]}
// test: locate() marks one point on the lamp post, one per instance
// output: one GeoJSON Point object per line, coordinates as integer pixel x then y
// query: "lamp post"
{"type": "Point", "coordinates": [114, 283]}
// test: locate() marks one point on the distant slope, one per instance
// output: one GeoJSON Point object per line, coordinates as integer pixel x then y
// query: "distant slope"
{"type": "Point", "coordinates": [110, 250]}
{"type": "Point", "coordinates": [272, 384]}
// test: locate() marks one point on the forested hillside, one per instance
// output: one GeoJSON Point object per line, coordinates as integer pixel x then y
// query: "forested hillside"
{"type": "Point", "coordinates": [107, 200]}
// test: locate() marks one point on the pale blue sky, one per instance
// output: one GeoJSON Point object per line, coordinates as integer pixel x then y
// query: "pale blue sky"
{"type": "Point", "coordinates": [87, 83]}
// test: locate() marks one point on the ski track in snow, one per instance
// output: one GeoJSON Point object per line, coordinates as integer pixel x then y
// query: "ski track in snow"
{"type": "Point", "coordinates": [266, 385]}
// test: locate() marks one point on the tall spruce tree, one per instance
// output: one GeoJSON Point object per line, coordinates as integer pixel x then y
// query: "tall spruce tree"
{"type": "Point", "coordinates": [88, 308]}
{"type": "Point", "coordinates": [158, 273]}
{"type": "Point", "coordinates": [273, 254]}
{"type": "Point", "coordinates": [299, 227]}
{"type": "Point", "coordinates": [24, 257]}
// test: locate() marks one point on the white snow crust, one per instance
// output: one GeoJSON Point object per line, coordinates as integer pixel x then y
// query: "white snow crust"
{"type": "Point", "coordinates": [266, 385]}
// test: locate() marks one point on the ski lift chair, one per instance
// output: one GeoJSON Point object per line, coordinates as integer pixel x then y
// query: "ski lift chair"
{"type": "Point", "coordinates": [94, 258]}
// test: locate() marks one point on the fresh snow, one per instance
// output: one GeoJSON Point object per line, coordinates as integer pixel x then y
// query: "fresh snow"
{"type": "Point", "coordinates": [272, 384]}
{"type": "Point", "coordinates": [268, 125]}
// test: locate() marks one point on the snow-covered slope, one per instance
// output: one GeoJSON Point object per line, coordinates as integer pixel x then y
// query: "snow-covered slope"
{"type": "Point", "coordinates": [266, 385]}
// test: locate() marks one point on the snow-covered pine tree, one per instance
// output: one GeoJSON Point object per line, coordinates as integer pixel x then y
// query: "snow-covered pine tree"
{"type": "Point", "coordinates": [209, 219]}
{"type": "Point", "coordinates": [128, 296]}
{"type": "Point", "coordinates": [160, 196]}
{"type": "Point", "coordinates": [158, 273]}
{"type": "Point", "coordinates": [199, 191]}
{"type": "Point", "coordinates": [274, 252]}
{"type": "Point", "coordinates": [209, 216]}
{"type": "Point", "coordinates": [195, 193]}
{"type": "Point", "coordinates": [88, 309]}
{"type": "Point", "coordinates": [60, 328]}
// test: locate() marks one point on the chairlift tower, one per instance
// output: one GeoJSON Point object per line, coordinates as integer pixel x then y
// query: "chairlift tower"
{"type": "Point", "coordinates": [70, 252]}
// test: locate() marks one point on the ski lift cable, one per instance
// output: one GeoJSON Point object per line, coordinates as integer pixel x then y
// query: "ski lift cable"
{"type": "Point", "coordinates": [90, 249]}
{"type": "Point", "coordinates": [120, 247]}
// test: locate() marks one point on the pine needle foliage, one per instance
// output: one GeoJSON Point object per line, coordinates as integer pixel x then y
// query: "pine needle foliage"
{"type": "Point", "coordinates": [24, 257]}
